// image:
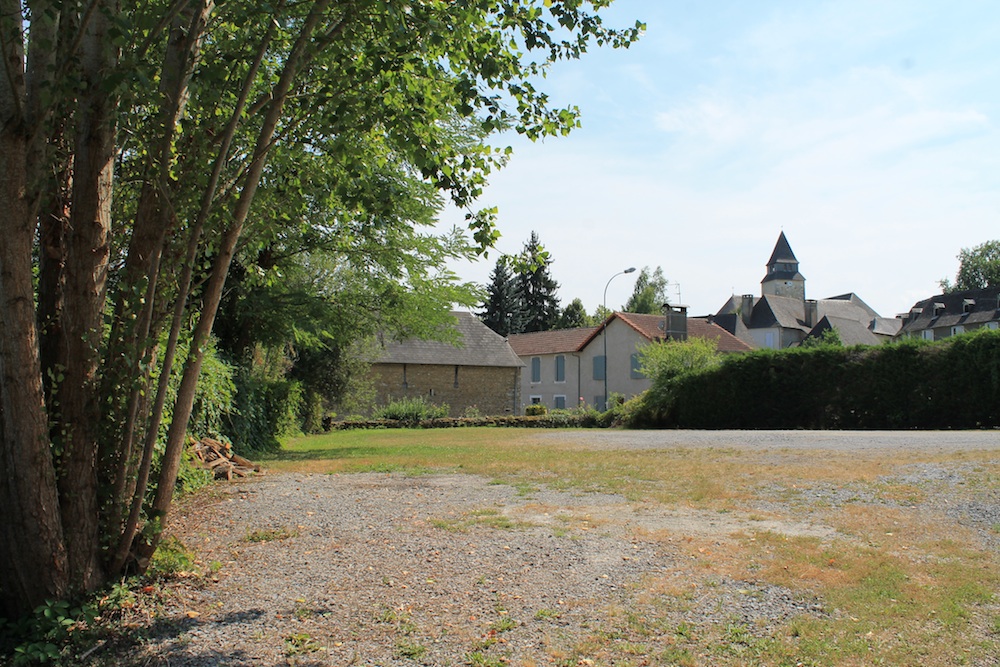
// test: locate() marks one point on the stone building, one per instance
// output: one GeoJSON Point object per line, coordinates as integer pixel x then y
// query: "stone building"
{"type": "Point", "coordinates": [479, 371]}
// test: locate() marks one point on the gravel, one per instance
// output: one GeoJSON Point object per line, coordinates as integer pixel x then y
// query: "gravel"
{"type": "Point", "coordinates": [386, 569]}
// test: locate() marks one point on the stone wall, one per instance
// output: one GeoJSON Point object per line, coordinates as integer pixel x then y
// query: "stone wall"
{"type": "Point", "coordinates": [491, 390]}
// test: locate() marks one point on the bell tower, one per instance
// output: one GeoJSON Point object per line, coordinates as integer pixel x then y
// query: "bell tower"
{"type": "Point", "coordinates": [783, 277]}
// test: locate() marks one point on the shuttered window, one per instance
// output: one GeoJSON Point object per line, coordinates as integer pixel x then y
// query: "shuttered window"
{"type": "Point", "coordinates": [599, 363]}
{"type": "Point", "coordinates": [536, 369]}
{"type": "Point", "coordinates": [560, 368]}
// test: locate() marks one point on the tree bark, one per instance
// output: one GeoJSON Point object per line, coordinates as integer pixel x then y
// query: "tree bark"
{"type": "Point", "coordinates": [36, 568]}
{"type": "Point", "coordinates": [86, 272]}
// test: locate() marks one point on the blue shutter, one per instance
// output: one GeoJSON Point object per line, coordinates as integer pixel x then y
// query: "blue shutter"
{"type": "Point", "coordinates": [560, 368]}
{"type": "Point", "coordinates": [536, 369]}
{"type": "Point", "coordinates": [599, 363]}
{"type": "Point", "coordinates": [560, 402]}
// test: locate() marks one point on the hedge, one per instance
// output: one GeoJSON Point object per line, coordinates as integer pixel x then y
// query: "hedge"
{"type": "Point", "coordinates": [910, 384]}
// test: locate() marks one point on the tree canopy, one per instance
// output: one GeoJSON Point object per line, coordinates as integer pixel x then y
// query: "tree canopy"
{"type": "Point", "coordinates": [147, 147]}
{"type": "Point", "coordinates": [978, 268]}
{"type": "Point", "coordinates": [649, 293]}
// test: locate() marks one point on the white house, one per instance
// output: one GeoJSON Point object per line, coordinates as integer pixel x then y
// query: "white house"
{"type": "Point", "coordinates": [566, 368]}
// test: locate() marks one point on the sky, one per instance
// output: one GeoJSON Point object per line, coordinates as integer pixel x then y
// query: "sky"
{"type": "Point", "coordinates": [867, 131]}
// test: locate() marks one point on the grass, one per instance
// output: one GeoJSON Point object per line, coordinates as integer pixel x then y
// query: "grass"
{"type": "Point", "coordinates": [897, 587]}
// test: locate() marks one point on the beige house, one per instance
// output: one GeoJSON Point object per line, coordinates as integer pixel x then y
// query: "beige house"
{"type": "Point", "coordinates": [480, 371]}
{"type": "Point", "coordinates": [565, 368]}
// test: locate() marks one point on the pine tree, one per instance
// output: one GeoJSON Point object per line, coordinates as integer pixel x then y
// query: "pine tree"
{"type": "Point", "coordinates": [537, 289]}
{"type": "Point", "coordinates": [502, 310]}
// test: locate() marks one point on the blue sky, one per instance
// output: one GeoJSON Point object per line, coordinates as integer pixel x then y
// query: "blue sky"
{"type": "Point", "coordinates": [866, 131]}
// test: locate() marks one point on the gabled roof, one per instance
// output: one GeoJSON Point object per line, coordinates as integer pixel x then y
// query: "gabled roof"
{"type": "Point", "coordinates": [783, 311]}
{"type": "Point", "coordinates": [947, 310]}
{"type": "Point", "coordinates": [851, 332]}
{"type": "Point", "coordinates": [650, 327]}
{"type": "Point", "coordinates": [550, 342]}
{"type": "Point", "coordinates": [477, 345]}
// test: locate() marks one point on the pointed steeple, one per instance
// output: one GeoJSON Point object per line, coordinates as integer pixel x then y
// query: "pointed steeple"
{"type": "Point", "coordinates": [782, 253]}
{"type": "Point", "coordinates": [783, 277]}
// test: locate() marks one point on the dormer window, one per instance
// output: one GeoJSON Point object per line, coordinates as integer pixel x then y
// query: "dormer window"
{"type": "Point", "coordinates": [968, 305]}
{"type": "Point", "coordinates": [938, 309]}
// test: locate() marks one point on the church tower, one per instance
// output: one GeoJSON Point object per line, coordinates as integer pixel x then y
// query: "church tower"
{"type": "Point", "coordinates": [783, 277]}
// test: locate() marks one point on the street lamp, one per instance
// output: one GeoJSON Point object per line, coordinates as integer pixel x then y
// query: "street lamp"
{"type": "Point", "coordinates": [630, 269]}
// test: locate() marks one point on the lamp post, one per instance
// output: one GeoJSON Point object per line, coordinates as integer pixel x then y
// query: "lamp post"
{"type": "Point", "coordinates": [604, 333]}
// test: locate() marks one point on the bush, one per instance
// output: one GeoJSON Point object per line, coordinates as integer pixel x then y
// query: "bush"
{"type": "Point", "coordinates": [535, 410]}
{"type": "Point", "coordinates": [411, 410]}
{"type": "Point", "coordinates": [954, 383]}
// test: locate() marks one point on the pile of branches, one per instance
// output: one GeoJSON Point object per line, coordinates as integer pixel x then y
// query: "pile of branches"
{"type": "Point", "coordinates": [219, 457]}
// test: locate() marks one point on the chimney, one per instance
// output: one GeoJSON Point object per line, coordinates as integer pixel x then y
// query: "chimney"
{"type": "Point", "coordinates": [812, 312]}
{"type": "Point", "coordinates": [746, 308]}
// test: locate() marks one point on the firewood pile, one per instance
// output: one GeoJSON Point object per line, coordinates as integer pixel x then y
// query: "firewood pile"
{"type": "Point", "coordinates": [220, 458]}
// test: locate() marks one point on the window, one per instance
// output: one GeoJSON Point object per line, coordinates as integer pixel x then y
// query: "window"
{"type": "Point", "coordinates": [560, 368]}
{"type": "Point", "coordinates": [769, 340]}
{"type": "Point", "coordinates": [957, 329]}
{"type": "Point", "coordinates": [535, 400]}
{"type": "Point", "coordinates": [927, 334]}
{"type": "Point", "coordinates": [536, 369]}
{"type": "Point", "coordinates": [599, 364]}
{"type": "Point", "coordinates": [559, 402]}
{"type": "Point", "coordinates": [636, 372]}
{"type": "Point", "coordinates": [993, 325]}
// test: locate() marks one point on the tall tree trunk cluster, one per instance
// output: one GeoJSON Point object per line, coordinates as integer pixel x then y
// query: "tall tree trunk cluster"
{"type": "Point", "coordinates": [79, 415]}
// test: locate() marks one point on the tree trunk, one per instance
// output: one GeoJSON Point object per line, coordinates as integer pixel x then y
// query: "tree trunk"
{"type": "Point", "coordinates": [36, 568]}
{"type": "Point", "coordinates": [213, 290]}
{"type": "Point", "coordinates": [86, 273]}
{"type": "Point", "coordinates": [132, 341]}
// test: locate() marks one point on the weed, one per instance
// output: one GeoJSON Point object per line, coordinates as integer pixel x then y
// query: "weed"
{"type": "Point", "coordinates": [301, 643]}
{"type": "Point", "coordinates": [546, 614]}
{"type": "Point", "coordinates": [478, 659]}
{"type": "Point", "coordinates": [270, 535]}
{"type": "Point", "coordinates": [171, 558]}
{"type": "Point", "coordinates": [410, 650]}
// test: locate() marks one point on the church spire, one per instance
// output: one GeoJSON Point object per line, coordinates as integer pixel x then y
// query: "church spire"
{"type": "Point", "coordinates": [783, 277]}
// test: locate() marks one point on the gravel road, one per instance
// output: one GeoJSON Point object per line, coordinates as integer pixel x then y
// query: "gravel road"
{"type": "Point", "coordinates": [385, 569]}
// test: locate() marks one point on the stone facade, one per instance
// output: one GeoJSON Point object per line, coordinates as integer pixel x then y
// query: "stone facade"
{"type": "Point", "coordinates": [491, 390]}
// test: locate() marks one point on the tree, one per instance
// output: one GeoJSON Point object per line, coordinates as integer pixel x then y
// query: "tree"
{"type": "Point", "coordinates": [978, 268]}
{"type": "Point", "coordinates": [143, 147]}
{"type": "Point", "coordinates": [536, 289]}
{"type": "Point", "coordinates": [664, 363]}
{"type": "Point", "coordinates": [502, 310]}
{"type": "Point", "coordinates": [649, 293]}
{"type": "Point", "coordinates": [574, 316]}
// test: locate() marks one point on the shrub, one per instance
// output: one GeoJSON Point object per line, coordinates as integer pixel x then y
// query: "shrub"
{"type": "Point", "coordinates": [954, 383]}
{"type": "Point", "coordinates": [411, 410]}
{"type": "Point", "coordinates": [535, 410]}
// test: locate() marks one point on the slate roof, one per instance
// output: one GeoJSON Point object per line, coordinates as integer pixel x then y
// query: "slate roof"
{"type": "Point", "coordinates": [851, 332]}
{"type": "Point", "coordinates": [550, 342]}
{"type": "Point", "coordinates": [477, 345]}
{"type": "Point", "coordinates": [782, 252]}
{"type": "Point", "coordinates": [790, 313]}
{"type": "Point", "coordinates": [983, 306]}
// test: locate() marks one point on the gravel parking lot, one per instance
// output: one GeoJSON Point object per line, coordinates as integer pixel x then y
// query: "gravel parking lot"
{"type": "Point", "coordinates": [386, 569]}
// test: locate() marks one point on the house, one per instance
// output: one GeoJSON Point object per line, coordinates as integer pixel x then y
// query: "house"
{"type": "Point", "coordinates": [478, 371]}
{"type": "Point", "coordinates": [946, 315]}
{"type": "Point", "coordinates": [783, 317]}
{"type": "Point", "coordinates": [565, 368]}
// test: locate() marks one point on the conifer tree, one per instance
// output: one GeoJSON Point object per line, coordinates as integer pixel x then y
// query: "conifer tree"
{"type": "Point", "coordinates": [502, 309]}
{"type": "Point", "coordinates": [537, 288]}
